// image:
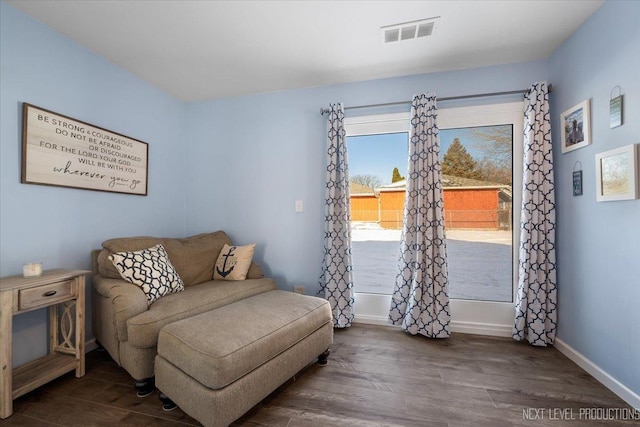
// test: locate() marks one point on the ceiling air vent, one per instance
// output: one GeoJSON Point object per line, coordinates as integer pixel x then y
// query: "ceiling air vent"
{"type": "Point", "coordinates": [409, 30]}
{"type": "Point", "coordinates": [407, 33]}
{"type": "Point", "coordinates": [391, 35]}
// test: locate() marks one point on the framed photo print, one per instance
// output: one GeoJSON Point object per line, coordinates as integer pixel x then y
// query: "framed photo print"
{"type": "Point", "coordinates": [576, 127]}
{"type": "Point", "coordinates": [617, 174]}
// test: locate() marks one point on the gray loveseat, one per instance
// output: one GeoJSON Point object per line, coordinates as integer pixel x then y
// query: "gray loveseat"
{"type": "Point", "coordinates": [128, 328]}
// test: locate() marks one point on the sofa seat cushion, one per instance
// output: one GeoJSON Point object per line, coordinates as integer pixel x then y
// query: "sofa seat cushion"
{"type": "Point", "coordinates": [143, 329]}
{"type": "Point", "coordinates": [220, 346]}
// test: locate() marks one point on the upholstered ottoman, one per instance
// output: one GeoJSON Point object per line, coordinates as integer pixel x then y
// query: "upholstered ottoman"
{"type": "Point", "coordinates": [217, 365]}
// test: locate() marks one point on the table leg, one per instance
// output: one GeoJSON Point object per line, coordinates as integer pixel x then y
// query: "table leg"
{"type": "Point", "coordinates": [6, 380]}
{"type": "Point", "coordinates": [80, 327]}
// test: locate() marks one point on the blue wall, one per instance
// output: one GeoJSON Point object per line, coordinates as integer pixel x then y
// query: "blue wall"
{"type": "Point", "coordinates": [60, 226]}
{"type": "Point", "coordinates": [599, 243]}
{"type": "Point", "coordinates": [240, 163]}
{"type": "Point", "coordinates": [251, 157]}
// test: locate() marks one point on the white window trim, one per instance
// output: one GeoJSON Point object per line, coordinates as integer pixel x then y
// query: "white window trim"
{"type": "Point", "coordinates": [468, 316]}
{"type": "Point", "coordinates": [378, 124]}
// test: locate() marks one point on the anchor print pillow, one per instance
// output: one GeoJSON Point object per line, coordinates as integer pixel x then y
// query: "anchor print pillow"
{"type": "Point", "coordinates": [151, 270]}
{"type": "Point", "coordinates": [233, 262]}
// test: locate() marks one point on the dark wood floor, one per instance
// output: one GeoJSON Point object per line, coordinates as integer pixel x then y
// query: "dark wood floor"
{"type": "Point", "coordinates": [376, 376]}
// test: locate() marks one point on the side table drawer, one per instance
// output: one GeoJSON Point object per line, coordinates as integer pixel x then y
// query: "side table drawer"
{"type": "Point", "coordinates": [45, 295]}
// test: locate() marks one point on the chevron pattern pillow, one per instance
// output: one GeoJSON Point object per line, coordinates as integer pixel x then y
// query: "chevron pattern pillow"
{"type": "Point", "coordinates": [150, 269]}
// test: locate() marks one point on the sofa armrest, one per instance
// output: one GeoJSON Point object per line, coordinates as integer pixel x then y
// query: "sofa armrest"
{"type": "Point", "coordinates": [128, 300]}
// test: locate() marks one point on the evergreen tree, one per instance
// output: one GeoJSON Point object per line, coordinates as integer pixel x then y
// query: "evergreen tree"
{"type": "Point", "coordinates": [395, 177]}
{"type": "Point", "coordinates": [457, 162]}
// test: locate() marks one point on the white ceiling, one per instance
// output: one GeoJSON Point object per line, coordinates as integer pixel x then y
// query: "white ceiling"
{"type": "Point", "coordinates": [199, 50]}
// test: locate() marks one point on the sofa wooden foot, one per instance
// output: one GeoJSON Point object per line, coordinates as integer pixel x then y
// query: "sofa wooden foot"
{"type": "Point", "coordinates": [145, 386]}
{"type": "Point", "coordinates": [322, 359]}
{"type": "Point", "coordinates": [167, 404]}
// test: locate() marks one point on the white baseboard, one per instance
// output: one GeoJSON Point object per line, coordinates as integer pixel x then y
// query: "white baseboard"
{"type": "Point", "coordinates": [371, 320]}
{"type": "Point", "coordinates": [460, 327]}
{"type": "Point", "coordinates": [491, 329]}
{"type": "Point", "coordinates": [90, 345]}
{"type": "Point", "coordinates": [624, 392]}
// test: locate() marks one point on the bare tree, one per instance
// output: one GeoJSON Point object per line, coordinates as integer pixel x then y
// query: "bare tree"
{"type": "Point", "coordinates": [496, 145]}
{"type": "Point", "coordinates": [495, 142]}
{"type": "Point", "coordinates": [371, 181]}
{"type": "Point", "coordinates": [489, 171]}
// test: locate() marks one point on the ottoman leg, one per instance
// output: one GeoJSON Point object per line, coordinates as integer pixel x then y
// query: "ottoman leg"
{"type": "Point", "coordinates": [145, 386]}
{"type": "Point", "coordinates": [322, 359]}
{"type": "Point", "coordinates": [167, 404]}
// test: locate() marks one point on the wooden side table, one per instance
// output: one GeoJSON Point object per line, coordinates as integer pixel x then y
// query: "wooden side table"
{"type": "Point", "coordinates": [62, 292]}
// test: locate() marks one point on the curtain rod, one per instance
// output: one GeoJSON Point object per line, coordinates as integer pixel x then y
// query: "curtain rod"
{"type": "Point", "coordinates": [449, 98]}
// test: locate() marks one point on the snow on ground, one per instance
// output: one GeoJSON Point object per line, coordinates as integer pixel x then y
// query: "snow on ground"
{"type": "Point", "coordinates": [479, 262]}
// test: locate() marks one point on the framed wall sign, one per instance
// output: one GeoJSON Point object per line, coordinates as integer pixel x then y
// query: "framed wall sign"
{"type": "Point", "coordinates": [617, 174]}
{"type": "Point", "coordinates": [576, 127]}
{"type": "Point", "coordinates": [615, 112]}
{"type": "Point", "coordinates": [577, 183]}
{"type": "Point", "coordinates": [61, 151]}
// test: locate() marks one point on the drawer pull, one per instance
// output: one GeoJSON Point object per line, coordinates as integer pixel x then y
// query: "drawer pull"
{"type": "Point", "coordinates": [49, 293]}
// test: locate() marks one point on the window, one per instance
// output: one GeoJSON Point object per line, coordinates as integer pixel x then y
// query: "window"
{"type": "Point", "coordinates": [374, 277]}
{"type": "Point", "coordinates": [477, 186]}
{"type": "Point", "coordinates": [482, 264]}
{"type": "Point", "coordinates": [473, 314]}
{"type": "Point", "coordinates": [375, 162]}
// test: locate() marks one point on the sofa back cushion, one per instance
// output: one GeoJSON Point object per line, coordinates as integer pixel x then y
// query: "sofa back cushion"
{"type": "Point", "coordinates": [193, 257]}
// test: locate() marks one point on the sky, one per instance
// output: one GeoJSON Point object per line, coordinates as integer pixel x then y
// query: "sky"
{"type": "Point", "coordinates": [379, 154]}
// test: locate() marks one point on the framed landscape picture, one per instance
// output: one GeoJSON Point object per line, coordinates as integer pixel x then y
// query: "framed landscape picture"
{"type": "Point", "coordinates": [576, 127]}
{"type": "Point", "coordinates": [617, 174]}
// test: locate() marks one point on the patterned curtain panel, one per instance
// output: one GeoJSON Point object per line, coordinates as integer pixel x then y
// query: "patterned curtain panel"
{"type": "Point", "coordinates": [336, 281]}
{"type": "Point", "coordinates": [420, 301]}
{"type": "Point", "coordinates": [536, 303]}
